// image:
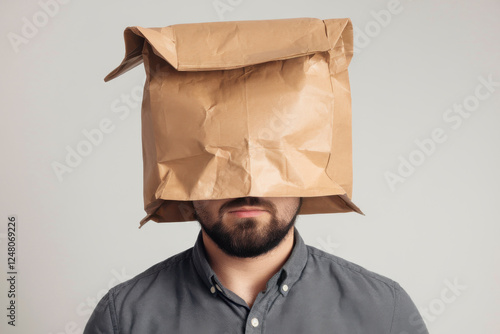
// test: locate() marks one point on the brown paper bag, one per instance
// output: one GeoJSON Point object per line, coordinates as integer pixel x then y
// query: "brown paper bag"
{"type": "Point", "coordinates": [244, 108]}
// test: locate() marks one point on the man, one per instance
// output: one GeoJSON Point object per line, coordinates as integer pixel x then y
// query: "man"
{"type": "Point", "coordinates": [246, 125]}
{"type": "Point", "coordinates": [250, 272]}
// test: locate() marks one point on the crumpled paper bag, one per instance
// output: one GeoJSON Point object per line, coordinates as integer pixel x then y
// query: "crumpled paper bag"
{"type": "Point", "coordinates": [244, 108]}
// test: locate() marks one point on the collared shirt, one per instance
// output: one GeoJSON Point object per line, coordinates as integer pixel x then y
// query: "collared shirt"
{"type": "Point", "coordinates": [314, 292]}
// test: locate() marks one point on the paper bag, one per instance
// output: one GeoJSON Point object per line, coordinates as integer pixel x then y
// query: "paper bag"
{"type": "Point", "coordinates": [244, 108]}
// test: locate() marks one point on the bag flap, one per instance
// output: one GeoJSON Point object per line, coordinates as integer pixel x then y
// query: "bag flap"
{"type": "Point", "coordinates": [233, 44]}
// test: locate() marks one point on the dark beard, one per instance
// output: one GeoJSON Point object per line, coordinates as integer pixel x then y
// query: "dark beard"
{"type": "Point", "coordinates": [242, 240]}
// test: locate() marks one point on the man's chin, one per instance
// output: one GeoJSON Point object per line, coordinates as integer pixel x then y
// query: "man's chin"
{"type": "Point", "coordinates": [247, 239]}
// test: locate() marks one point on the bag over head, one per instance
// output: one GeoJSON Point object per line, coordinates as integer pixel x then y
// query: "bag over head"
{"type": "Point", "coordinates": [244, 108]}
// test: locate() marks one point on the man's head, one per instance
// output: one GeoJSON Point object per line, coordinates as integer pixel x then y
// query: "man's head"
{"type": "Point", "coordinates": [247, 226]}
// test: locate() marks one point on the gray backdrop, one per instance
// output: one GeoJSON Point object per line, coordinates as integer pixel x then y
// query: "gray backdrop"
{"type": "Point", "coordinates": [426, 94]}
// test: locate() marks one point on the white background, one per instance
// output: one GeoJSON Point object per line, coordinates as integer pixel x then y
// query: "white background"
{"type": "Point", "coordinates": [78, 236]}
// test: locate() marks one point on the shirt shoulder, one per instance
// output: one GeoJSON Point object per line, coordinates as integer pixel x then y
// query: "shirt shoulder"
{"type": "Point", "coordinates": [383, 297]}
{"type": "Point", "coordinates": [341, 265]}
{"type": "Point", "coordinates": [170, 264]}
{"type": "Point", "coordinates": [117, 306]}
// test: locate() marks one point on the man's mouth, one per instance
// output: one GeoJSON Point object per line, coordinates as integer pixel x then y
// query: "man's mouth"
{"type": "Point", "coordinates": [246, 211]}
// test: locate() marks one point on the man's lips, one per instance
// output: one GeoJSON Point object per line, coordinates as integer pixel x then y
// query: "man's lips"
{"type": "Point", "coordinates": [247, 212]}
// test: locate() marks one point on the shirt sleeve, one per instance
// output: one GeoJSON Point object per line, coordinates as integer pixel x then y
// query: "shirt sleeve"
{"type": "Point", "coordinates": [101, 320]}
{"type": "Point", "coordinates": [406, 318]}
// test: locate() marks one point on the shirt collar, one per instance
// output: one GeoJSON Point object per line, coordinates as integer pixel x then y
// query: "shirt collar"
{"type": "Point", "coordinates": [288, 274]}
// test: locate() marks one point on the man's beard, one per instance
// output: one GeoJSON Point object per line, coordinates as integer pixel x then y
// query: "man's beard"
{"type": "Point", "coordinates": [246, 239]}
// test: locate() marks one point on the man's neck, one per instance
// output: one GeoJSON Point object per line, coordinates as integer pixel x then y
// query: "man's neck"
{"type": "Point", "coordinates": [247, 276]}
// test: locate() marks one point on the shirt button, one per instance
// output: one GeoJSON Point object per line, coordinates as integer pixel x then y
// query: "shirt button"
{"type": "Point", "coordinates": [255, 322]}
{"type": "Point", "coordinates": [212, 289]}
{"type": "Point", "coordinates": [218, 287]}
{"type": "Point", "coordinates": [284, 287]}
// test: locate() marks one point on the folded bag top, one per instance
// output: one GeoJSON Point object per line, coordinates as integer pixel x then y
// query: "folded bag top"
{"type": "Point", "coordinates": [244, 108]}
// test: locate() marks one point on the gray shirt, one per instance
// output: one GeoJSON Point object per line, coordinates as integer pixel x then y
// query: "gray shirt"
{"type": "Point", "coordinates": [314, 292]}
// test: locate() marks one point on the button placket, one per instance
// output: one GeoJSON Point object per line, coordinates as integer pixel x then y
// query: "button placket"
{"type": "Point", "coordinates": [254, 322]}
{"type": "Point", "coordinates": [262, 304]}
